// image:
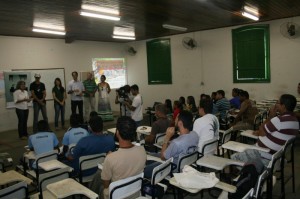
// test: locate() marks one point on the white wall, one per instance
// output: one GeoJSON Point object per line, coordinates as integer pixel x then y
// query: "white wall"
{"type": "Point", "coordinates": [35, 53]}
{"type": "Point", "coordinates": [210, 63]}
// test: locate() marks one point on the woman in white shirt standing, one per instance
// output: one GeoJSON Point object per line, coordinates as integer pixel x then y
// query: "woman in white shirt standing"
{"type": "Point", "coordinates": [21, 99]}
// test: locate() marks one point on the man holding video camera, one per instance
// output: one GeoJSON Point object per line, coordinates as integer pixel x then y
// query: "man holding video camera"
{"type": "Point", "coordinates": [136, 107]}
{"type": "Point", "coordinates": [122, 95]}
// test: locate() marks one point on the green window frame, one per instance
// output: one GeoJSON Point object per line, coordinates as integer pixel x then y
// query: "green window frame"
{"type": "Point", "coordinates": [159, 61]}
{"type": "Point", "coordinates": [251, 54]}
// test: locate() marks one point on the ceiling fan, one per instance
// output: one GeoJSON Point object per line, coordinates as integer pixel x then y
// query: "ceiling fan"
{"type": "Point", "coordinates": [189, 43]}
{"type": "Point", "coordinates": [290, 30]}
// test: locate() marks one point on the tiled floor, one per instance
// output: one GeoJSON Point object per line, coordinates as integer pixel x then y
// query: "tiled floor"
{"type": "Point", "coordinates": [9, 142]}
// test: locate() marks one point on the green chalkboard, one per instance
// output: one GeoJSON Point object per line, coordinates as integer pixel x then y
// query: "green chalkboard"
{"type": "Point", "coordinates": [159, 61]}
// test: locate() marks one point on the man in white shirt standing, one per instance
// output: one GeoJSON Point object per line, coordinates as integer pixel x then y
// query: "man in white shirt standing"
{"type": "Point", "coordinates": [136, 107]}
{"type": "Point", "coordinates": [76, 90]}
{"type": "Point", "coordinates": [207, 126]}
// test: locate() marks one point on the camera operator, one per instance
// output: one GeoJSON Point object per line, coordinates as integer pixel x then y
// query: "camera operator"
{"type": "Point", "coordinates": [122, 95]}
{"type": "Point", "coordinates": [136, 107]}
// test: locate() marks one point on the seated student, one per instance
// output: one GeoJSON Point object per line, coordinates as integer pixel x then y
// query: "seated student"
{"type": "Point", "coordinates": [95, 143]}
{"type": "Point", "coordinates": [177, 108]}
{"type": "Point", "coordinates": [43, 141]}
{"type": "Point", "coordinates": [85, 125]}
{"type": "Point", "coordinates": [222, 105]}
{"type": "Point", "coordinates": [214, 97]}
{"type": "Point", "coordinates": [235, 101]}
{"type": "Point", "coordinates": [128, 160]}
{"type": "Point", "coordinates": [74, 134]}
{"type": "Point", "coordinates": [159, 126]}
{"type": "Point", "coordinates": [191, 104]}
{"type": "Point", "coordinates": [182, 102]}
{"type": "Point", "coordinates": [207, 126]}
{"type": "Point", "coordinates": [245, 117]}
{"type": "Point", "coordinates": [169, 107]}
{"type": "Point", "coordinates": [276, 130]}
{"type": "Point", "coordinates": [181, 145]}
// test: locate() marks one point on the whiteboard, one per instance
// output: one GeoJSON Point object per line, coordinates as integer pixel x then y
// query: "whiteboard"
{"type": "Point", "coordinates": [47, 77]}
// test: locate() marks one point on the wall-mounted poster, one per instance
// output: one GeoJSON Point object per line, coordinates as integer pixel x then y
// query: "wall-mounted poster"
{"type": "Point", "coordinates": [113, 68]}
{"type": "Point", "coordinates": [11, 79]}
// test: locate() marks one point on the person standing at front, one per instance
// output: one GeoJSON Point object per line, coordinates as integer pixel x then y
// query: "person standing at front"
{"type": "Point", "coordinates": [76, 90]}
{"type": "Point", "coordinates": [104, 108]}
{"type": "Point", "coordinates": [90, 87]}
{"type": "Point", "coordinates": [21, 99]}
{"type": "Point", "coordinates": [59, 96]}
{"type": "Point", "coordinates": [136, 107]}
{"type": "Point", "coordinates": [38, 93]}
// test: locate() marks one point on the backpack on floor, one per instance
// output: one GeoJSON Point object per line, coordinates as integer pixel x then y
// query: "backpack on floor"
{"type": "Point", "coordinates": [247, 180]}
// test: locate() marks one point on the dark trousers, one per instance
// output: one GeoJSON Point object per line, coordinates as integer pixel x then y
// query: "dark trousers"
{"type": "Point", "coordinates": [36, 110]}
{"type": "Point", "coordinates": [22, 123]}
{"type": "Point", "coordinates": [78, 104]}
{"type": "Point", "coordinates": [59, 109]}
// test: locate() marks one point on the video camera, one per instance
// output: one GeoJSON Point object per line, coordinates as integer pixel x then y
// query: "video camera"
{"type": "Point", "coordinates": [123, 93]}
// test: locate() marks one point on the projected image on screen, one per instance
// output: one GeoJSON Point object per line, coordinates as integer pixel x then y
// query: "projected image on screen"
{"type": "Point", "coordinates": [113, 68]}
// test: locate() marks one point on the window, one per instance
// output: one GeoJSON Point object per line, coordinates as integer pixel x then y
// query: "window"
{"type": "Point", "coordinates": [159, 61]}
{"type": "Point", "coordinates": [251, 54]}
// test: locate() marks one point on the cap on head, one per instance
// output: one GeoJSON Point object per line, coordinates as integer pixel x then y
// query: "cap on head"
{"type": "Point", "coordinates": [37, 75]}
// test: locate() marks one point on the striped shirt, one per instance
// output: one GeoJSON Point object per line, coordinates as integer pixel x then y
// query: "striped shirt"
{"type": "Point", "coordinates": [90, 86]}
{"type": "Point", "coordinates": [278, 131]}
{"type": "Point", "coordinates": [221, 106]}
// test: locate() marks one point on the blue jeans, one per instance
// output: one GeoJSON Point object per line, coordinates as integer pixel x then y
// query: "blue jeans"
{"type": "Point", "coordinates": [22, 123]}
{"type": "Point", "coordinates": [36, 110]}
{"type": "Point", "coordinates": [150, 165]}
{"type": "Point", "coordinates": [59, 108]}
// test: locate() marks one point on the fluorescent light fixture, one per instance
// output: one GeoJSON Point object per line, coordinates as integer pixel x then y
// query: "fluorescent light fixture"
{"type": "Point", "coordinates": [101, 16]}
{"type": "Point", "coordinates": [171, 27]}
{"type": "Point", "coordinates": [56, 32]}
{"type": "Point", "coordinates": [123, 37]}
{"type": "Point", "coordinates": [250, 16]}
{"type": "Point", "coordinates": [100, 9]}
{"type": "Point", "coordinates": [124, 31]}
{"type": "Point", "coordinates": [250, 9]}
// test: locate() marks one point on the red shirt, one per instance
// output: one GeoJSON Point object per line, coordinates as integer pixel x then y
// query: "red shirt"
{"type": "Point", "coordinates": [175, 113]}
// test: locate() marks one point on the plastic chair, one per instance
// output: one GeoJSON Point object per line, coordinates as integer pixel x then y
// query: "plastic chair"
{"type": "Point", "coordinates": [257, 121]}
{"type": "Point", "coordinates": [271, 166]}
{"type": "Point", "coordinates": [160, 173]}
{"type": "Point", "coordinates": [225, 138]}
{"type": "Point", "coordinates": [209, 147]}
{"type": "Point", "coordinates": [249, 194]}
{"type": "Point", "coordinates": [224, 124]}
{"type": "Point", "coordinates": [51, 177]}
{"type": "Point", "coordinates": [126, 187]}
{"type": "Point", "coordinates": [257, 192]}
{"type": "Point", "coordinates": [5, 161]}
{"type": "Point", "coordinates": [89, 162]}
{"type": "Point", "coordinates": [187, 159]}
{"type": "Point", "coordinates": [158, 140]}
{"type": "Point", "coordinates": [18, 190]}
{"type": "Point", "coordinates": [35, 173]}
{"type": "Point", "coordinates": [264, 116]}
{"type": "Point", "coordinates": [289, 146]}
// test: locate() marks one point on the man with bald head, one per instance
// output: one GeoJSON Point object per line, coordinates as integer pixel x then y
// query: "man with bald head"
{"type": "Point", "coordinates": [89, 102]}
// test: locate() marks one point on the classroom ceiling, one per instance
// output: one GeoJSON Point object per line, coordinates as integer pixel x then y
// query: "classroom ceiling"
{"type": "Point", "coordinates": [143, 17]}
